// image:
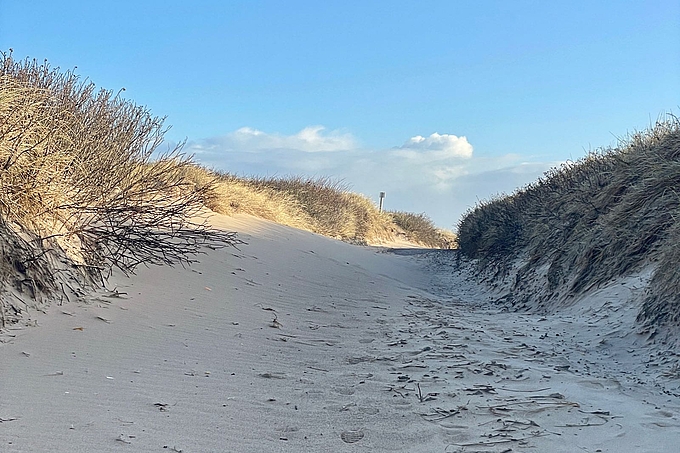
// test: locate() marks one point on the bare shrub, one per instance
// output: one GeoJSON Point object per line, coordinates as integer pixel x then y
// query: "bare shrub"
{"type": "Point", "coordinates": [76, 163]}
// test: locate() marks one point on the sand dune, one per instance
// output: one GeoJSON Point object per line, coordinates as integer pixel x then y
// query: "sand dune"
{"type": "Point", "coordinates": [297, 342]}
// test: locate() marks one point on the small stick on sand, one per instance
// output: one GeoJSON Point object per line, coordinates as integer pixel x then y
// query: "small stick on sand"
{"type": "Point", "coordinates": [499, 441]}
{"type": "Point", "coordinates": [275, 322]}
{"type": "Point", "coordinates": [524, 391]}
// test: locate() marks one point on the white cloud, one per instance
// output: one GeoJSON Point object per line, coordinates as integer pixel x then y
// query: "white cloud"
{"type": "Point", "coordinates": [437, 174]}
{"type": "Point", "coordinates": [437, 147]}
{"type": "Point", "coordinates": [310, 139]}
{"type": "Point", "coordinates": [445, 174]}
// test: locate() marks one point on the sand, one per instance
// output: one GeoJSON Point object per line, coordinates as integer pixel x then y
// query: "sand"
{"type": "Point", "coordinates": [297, 342]}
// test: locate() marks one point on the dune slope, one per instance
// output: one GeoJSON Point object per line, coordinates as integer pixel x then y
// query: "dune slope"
{"type": "Point", "coordinates": [296, 342]}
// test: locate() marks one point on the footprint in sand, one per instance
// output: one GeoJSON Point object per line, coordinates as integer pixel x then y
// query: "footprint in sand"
{"type": "Point", "coordinates": [344, 390]}
{"type": "Point", "coordinates": [351, 437]}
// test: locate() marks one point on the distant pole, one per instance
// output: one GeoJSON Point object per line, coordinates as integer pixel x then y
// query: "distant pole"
{"type": "Point", "coordinates": [382, 197]}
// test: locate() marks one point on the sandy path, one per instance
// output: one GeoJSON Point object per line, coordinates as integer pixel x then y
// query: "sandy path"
{"type": "Point", "coordinates": [300, 343]}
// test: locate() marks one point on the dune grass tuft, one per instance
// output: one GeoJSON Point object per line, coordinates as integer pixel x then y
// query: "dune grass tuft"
{"type": "Point", "coordinates": [604, 216]}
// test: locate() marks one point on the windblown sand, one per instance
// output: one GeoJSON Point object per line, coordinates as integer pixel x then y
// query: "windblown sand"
{"type": "Point", "coordinates": [296, 342]}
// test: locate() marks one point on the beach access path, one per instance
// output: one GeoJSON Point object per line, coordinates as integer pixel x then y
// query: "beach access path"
{"type": "Point", "coordinates": [295, 342]}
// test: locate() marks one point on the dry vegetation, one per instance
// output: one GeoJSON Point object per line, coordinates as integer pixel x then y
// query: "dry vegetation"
{"type": "Point", "coordinates": [419, 228]}
{"type": "Point", "coordinates": [82, 195]}
{"type": "Point", "coordinates": [79, 185]}
{"type": "Point", "coordinates": [589, 221]}
{"type": "Point", "coordinates": [333, 209]}
{"type": "Point", "coordinates": [320, 205]}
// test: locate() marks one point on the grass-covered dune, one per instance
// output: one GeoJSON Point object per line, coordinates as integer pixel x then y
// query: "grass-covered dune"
{"type": "Point", "coordinates": [84, 189]}
{"type": "Point", "coordinates": [587, 222]}
{"type": "Point", "coordinates": [319, 205]}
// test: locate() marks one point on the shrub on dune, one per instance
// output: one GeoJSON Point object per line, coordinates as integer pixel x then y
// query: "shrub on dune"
{"type": "Point", "coordinates": [76, 166]}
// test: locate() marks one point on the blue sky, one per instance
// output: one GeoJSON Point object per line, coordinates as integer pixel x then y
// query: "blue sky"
{"type": "Point", "coordinates": [438, 103]}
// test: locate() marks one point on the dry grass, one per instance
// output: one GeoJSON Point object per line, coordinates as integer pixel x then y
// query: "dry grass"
{"type": "Point", "coordinates": [334, 210]}
{"type": "Point", "coordinates": [320, 205]}
{"type": "Point", "coordinates": [77, 176]}
{"type": "Point", "coordinates": [592, 220]}
{"type": "Point", "coordinates": [420, 229]}
{"type": "Point", "coordinates": [229, 195]}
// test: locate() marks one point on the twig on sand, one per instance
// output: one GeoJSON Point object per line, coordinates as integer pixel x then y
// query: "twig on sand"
{"type": "Point", "coordinates": [122, 438]}
{"type": "Point", "coordinates": [275, 323]}
{"type": "Point", "coordinates": [427, 397]}
{"type": "Point", "coordinates": [557, 396]}
{"type": "Point", "coordinates": [579, 425]}
{"type": "Point", "coordinates": [287, 335]}
{"type": "Point", "coordinates": [115, 294]}
{"type": "Point", "coordinates": [274, 375]}
{"type": "Point", "coordinates": [600, 413]}
{"type": "Point", "coordinates": [501, 441]}
{"type": "Point", "coordinates": [441, 414]}
{"type": "Point", "coordinates": [512, 425]}
{"type": "Point", "coordinates": [524, 391]}
{"type": "Point", "coordinates": [528, 402]}
{"type": "Point", "coordinates": [479, 389]}
{"type": "Point", "coordinates": [585, 423]}
{"type": "Point", "coordinates": [412, 365]}
{"type": "Point", "coordinates": [396, 390]}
